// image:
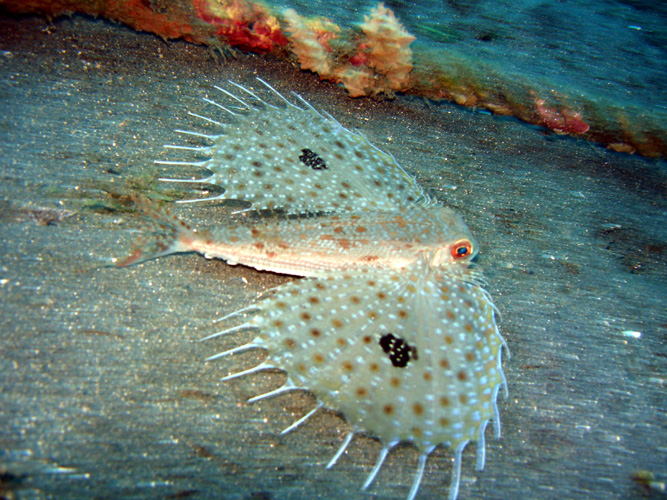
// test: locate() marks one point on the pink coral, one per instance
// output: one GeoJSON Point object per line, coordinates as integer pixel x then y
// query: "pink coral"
{"type": "Point", "coordinates": [562, 121]}
{"type": "Point", "coordinates": [243, 24]}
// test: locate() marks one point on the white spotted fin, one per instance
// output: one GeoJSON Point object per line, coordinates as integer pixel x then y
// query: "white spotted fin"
{"type": "Point", "coordinates": [291, 157]}
{"type": "Point", "coordinates": [405, 355]}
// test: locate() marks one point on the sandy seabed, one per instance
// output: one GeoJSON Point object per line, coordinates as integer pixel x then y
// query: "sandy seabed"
{"type": "Point", "coordinates": [104, 391]}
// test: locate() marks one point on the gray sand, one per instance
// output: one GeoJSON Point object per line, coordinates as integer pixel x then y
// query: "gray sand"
{"type": "Point", "coordinates": [104, 388]}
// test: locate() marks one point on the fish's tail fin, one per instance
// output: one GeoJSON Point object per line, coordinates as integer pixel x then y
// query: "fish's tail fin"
{"type": "Point", "coordinates": [165, 234]}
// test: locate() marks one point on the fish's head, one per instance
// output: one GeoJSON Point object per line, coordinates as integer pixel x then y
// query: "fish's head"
{"type": "Point", "coordinates": [457, 246]}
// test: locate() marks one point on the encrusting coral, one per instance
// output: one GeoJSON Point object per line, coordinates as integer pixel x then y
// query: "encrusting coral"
{"type": "Point", "coordinates": [243, 24]}
{"type": "Point", "coordinates": [388, 45]}
{"type": "Point", "coordinates": [310, 42]}
{"type": "Point", "coordinates": [380, 61]}
{"type": "Point", "coordinates": [561, 121]}
{"type": "Point", "coordinates": [376, 58]}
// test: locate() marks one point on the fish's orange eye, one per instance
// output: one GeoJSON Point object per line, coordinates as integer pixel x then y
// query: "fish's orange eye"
{"type": "Point", "coordinates": [461, 249]}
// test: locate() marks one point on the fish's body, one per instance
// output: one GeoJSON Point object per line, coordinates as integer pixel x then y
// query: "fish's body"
{"type": "Point", "coordinates": [390, 325]}
{"type": "Point", "coordinates": [316, 246]}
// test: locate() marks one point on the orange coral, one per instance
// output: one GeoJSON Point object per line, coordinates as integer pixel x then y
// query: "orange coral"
{"type": "Point", "coordinates": [383, 59]}
{"type": "Point", "coordinates": [310, 42]}
{"type": "Point", "coordinates": [357, 82]}
{"type": "Point", "coordinates": [388, 47]}
{"type": "Point", "coordinates": [380, 62]}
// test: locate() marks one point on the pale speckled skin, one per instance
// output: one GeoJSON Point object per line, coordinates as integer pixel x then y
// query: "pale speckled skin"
{"type": "Point", "coordinates": [326, 337]}
{"type": "Point", "coordinates": [319, 245]}
{"type": "Point", "coordinates": [390, 326]}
